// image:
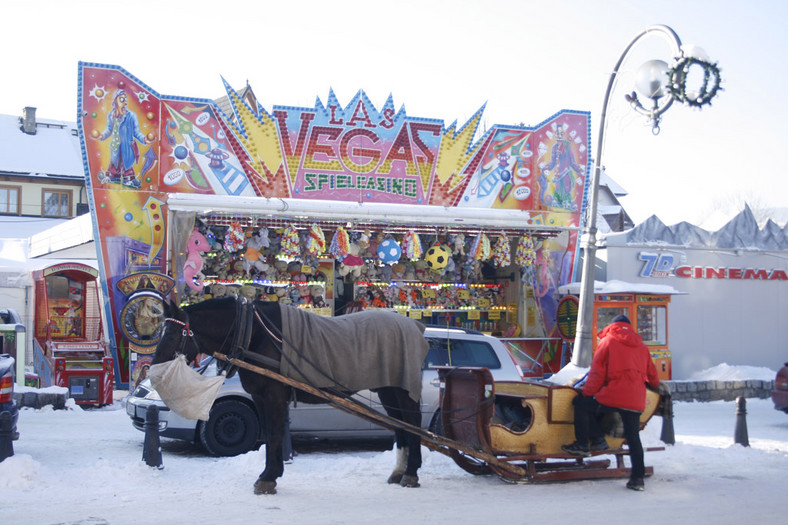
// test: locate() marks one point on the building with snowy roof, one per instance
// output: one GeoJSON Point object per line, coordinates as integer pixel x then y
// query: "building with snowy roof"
{"type": "Point", "coordinates": [734, 284]}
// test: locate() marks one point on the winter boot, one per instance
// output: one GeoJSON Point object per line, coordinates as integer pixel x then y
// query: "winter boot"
{"type": "Point", "coordinates": [599, 445]}
{"type": "Point", "coordinates": [636, 484]}
{"type": "Point", "coordinates": [577, 449]}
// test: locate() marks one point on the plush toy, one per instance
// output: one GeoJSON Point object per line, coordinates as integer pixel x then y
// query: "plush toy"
{"type": "Point", "coordinates": [363, 244]}
{"type": "Point", "coordinates": [437, 257]}
{"type": "Point", "coordinates": [318, 292]}
{"type": "Point", "coordinates": [352, 266]}
{"type": "Point", "coordinates": [291, 243]}
{"type": "Point", "coordinates": [448, 270]}
{"type": "Point", "coordinates": [249, 292]}
{"type": "Point", "coordinates": [235, 238]}
{"type": "Point", "coordinates": [192, 268]}
{"type": "Point", "coordinates": [386, 273]}
{"type": "Point", "coordinates": [502, 256]}
{"type": "Point", "coordinates": [411, 246]}
{"type": "Point", "coordinates": [253, 258]}
{"type": "Point", "coordinates": [399, 271]}
{"type": "Point", "coordinates": [372, 271]}
{"type": "Point", "coordinates": [340, 244]}
{"type": "Point", "coordinates": [410, 271]}
{"type": "Point", "coordinates": [389, 251]}
{"type": "Point", "coordinates": [459, 244]}
{"type": "Point", "coordinates": [236, 269]}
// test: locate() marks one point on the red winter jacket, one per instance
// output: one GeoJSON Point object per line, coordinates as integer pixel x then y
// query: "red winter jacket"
{"type": "Point", "coordinates": [620, 368]}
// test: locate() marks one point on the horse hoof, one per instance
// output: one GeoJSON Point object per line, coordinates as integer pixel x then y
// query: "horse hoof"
{"type": "Point", "coordinates": [264, 487]}
{"type": "Point", "coordinates": [409, 481]}
{"type": "Point", "coordinates": [395, 479]}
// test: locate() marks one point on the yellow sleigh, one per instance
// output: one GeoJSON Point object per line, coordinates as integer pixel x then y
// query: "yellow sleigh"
{"type": "Point", "coordinates": [525, 424]}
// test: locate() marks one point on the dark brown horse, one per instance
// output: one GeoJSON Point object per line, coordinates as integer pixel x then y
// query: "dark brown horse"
{"type": "Point", "coordinates": [254, 333]}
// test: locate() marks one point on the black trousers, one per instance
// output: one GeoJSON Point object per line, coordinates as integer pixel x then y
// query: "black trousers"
{"type": "Point", "coordinates": [587, 412]}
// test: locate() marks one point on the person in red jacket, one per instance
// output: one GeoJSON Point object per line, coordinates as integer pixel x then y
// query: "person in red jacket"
{"type": "Point", "coordinates": [616, 383]}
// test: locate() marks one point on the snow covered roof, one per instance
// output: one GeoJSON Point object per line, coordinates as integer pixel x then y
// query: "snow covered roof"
{"type": "Point", "coordinates": [53, 151]}
{"type": "Point", "coordinates": [69, 239]}
{"type": "Point", "coordinates": [741, 232]}
{"type": "Point", "coordinates": [16, 227]}
{"type": "Point", "coordinates": [621, 287]}
{"type": "Point", "coordinates": [615, 188]}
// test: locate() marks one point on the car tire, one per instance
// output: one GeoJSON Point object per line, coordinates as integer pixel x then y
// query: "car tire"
{"type": "Point", "coordinates": [232, 429]}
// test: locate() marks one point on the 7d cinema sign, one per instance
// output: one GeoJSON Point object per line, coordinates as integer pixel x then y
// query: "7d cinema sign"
{"type": "Point", "coordinates": [663, 265]}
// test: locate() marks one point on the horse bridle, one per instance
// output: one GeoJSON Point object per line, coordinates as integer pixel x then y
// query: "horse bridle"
{"type": "Point", "coordinates": [186, 333]}
{"type": "Point", "coordinates": [243, 351]}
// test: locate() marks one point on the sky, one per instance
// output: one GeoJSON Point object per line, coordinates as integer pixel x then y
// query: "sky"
{"type": "Point", "coordinates": [523, 60]}
{"type": "Point", "coordinates": [85, 467]}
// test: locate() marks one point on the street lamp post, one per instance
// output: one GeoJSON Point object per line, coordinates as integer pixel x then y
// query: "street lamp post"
{"type": "Point", "coordinates": [662, 85]}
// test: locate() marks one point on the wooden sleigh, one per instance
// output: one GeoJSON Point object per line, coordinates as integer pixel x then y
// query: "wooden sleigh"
{"type": "Point", "coordinates": [524, 424]}
{"type": "Point", "coordinates": [481, 444]}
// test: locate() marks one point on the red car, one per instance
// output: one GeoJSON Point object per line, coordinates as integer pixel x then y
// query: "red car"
{"type": "Point", "coordinates": [780, 392]}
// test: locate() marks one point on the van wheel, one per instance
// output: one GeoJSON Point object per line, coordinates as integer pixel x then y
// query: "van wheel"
{"type": "Point", "coordinates": [232, 429]}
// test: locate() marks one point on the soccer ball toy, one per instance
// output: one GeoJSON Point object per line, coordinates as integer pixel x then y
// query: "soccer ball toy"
{"type": "Point", "coordinates": [389, 251]}
{"type": "Point", "coordinates": [437, 257]}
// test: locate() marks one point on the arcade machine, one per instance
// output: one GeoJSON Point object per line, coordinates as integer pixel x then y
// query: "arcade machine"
{"type": "Point", "coordinates": [648, 313]}
{"type": "Point", "coordinates": [69, 348]}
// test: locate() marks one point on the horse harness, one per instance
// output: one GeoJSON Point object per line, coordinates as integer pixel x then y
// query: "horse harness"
{"type": "Point", "coordinates": [246, 313]}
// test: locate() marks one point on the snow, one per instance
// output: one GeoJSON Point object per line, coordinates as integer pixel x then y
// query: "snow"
{"type": "Point", "coordinates": [726, 372]}
{"type": "Point", "coordinates": [84, 466]}
{"type": "Point", "coordinates": [614, 286]}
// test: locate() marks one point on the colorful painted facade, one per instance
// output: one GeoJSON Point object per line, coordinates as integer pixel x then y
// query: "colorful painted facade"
{"type": "Point", "coordinates": [139, 147]}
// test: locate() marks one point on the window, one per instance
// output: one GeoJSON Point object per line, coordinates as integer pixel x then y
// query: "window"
{"type": "Point", "coordinates": [445, 352]}
{"type": "Point", "coordinates": [9, 199]}
{"type": "Point", "coordinates": [57, 203]}
{"type": "Point", "coordinates": [653, 324]}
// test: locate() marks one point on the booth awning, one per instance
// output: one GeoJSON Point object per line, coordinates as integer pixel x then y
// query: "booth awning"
{"type": "Point", "coordinates": [360, 215]}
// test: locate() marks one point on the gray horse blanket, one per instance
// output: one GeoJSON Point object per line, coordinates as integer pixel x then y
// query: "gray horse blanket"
{"type": "Point", "coordinates": [358, 351]}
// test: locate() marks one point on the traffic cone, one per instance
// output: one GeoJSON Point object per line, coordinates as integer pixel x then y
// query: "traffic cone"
{"type": "Point", "coordinates": [740, 434]}
{"type": "Point", "coordinates": [6, 437]}
{"type": "Point", "coordinates": [151, 450]}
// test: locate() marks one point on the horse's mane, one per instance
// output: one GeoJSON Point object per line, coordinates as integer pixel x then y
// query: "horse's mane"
{"type": "Point", "coordinates": [224, 303]}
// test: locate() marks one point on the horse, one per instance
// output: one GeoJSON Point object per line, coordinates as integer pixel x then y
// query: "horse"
{"type": "Point", "coordinates": [216, 325]}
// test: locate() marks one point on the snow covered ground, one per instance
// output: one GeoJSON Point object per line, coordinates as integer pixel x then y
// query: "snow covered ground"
{"type": "Point", "coordinates": [85, 467]}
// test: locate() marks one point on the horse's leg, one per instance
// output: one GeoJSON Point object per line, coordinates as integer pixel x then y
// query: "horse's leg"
{"type": "Point", "coordinates": [399, 406]}
{"type": "Point", "coordinates": [272, 405]}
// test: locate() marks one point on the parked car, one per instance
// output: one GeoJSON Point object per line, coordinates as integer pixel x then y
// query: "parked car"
{"type": "Point", "coordinates": [780, 392]}
{"type": "Point", "coordinates": [7, 391]}
{"type": "Point", "coordinates": [234, 428]}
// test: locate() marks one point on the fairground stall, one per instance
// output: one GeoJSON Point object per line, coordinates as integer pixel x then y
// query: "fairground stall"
{"type": "Point", "coordinates": [69, 348]}
{"type": "Point", "coordinates": [336, 208]}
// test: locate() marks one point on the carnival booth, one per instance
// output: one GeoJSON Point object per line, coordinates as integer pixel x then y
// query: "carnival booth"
{"type": "Point", "coordinates": [645, 305]}
{"type": "Point", "coordinates": [69, 348]}
{"type": "Point", "coordinates": [335, 208]}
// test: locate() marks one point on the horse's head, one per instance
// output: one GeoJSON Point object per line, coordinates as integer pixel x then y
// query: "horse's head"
{"type": "Point", "coordinates": [177, 336]}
